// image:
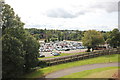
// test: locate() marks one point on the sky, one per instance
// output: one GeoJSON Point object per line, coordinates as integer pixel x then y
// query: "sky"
{"type": "Point", "coordinates": [67, 14]}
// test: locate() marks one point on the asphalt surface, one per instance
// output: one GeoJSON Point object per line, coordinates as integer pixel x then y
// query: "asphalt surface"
{"type": "Point", "coordinates": [68, 71]}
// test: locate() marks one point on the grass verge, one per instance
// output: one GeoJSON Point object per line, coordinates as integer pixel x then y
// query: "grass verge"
{"type": "Point", "coordinates": [44, 71]}
{"type": "Point", "coordinates": [84, 74]}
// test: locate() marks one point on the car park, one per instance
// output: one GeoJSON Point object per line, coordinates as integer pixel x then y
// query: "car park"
{"type": "Point", "coordinates": [60, 46]}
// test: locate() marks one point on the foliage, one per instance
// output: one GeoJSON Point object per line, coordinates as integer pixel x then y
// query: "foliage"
{"type": "Point", "coordinates": [92, 38]}
{"type": "Point", "coordinates": [31, 46]}
{"type": "Point", "coordinates": [105, 35]}
{"type": "Point", "coordinates": [114, 38]}
{"type": "Point", "coordinates": [20, 49]}
{"type": "Point", "coordinates": [59, 35]}
{"type": "Point", "coordinates": [37, 36]}
{"type": "Point", "coordinates": [9, 19]}
{"type": "Point", "coordinates": [12, 57]}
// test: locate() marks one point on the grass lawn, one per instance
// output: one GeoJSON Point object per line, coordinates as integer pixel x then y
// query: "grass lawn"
{"type": "Point", "coordinates": [44, 71]}
{"type": "Point", "coordinates": [63, 54]}
{"type": "Point", "coordinates": [106, 72]}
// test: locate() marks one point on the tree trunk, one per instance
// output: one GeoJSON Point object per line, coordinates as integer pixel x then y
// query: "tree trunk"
{"type": "Point", "coordinates": [88, 49]}
{"type": "Point", "coordinates": [92, 49]}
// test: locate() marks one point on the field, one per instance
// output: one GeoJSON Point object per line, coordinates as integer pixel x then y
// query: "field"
{"type": "Point", "coordinates": [44, 71]}
{"type": "Point", "coordinates": [107, 72]}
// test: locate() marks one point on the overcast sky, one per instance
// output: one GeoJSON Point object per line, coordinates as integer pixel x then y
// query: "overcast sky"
{"type": "Point", "coordinates": [67, 14]}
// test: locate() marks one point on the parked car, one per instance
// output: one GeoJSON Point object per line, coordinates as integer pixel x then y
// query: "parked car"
{"type": "Point", "coordinates": [80, 47]}
{"type": "Point", "coordinates": [59, 49]}
{"type": "Point", "coordinates": [41, 56]}
{"type": "Point", "coordinates": [74, 48]}
{"type": "Point", "coordinates": [55, 54]}
{"type": "Point", "coordinates": [67, 49]}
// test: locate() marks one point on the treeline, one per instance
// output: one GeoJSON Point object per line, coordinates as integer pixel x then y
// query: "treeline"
{"type": "Point", "coordinates": [60, 35]}
{"type": "Point", "coordinates": [53, 35]}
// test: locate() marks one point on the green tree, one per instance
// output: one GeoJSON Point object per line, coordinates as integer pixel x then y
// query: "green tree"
{"type": "Point", "coordinates": [12, 57]}
{"type": "Point", "coordinates": [22, 48]}
{"type": "Point", "coordinates": [37, 36]}
{"type": "Point", "coordinates": [31, 47]}
{"type": "Point", "coordinates": [114, 38]}
{"type": "Point", "coordinates": [92, 38]}
{"type": "Point", "coordinates": [105, 35]}
{"type": "Point", "coordinates": [9, 19]}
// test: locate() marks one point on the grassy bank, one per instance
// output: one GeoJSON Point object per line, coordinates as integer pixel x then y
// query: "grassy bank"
{"type": "Point", "coordinates": [44, 71]}
{"type": "Point", "coordinates": [106, 72]}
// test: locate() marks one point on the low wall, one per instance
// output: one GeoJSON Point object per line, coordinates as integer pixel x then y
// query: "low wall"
{"type": "Point", "coordinates": [71, 58]}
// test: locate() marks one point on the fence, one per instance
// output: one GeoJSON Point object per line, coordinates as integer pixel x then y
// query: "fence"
{"type": "Point", "coordinates": [71, 58]}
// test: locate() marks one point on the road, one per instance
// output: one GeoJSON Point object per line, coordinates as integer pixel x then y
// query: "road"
{"type": "Point", "coordinates": [68, 71]}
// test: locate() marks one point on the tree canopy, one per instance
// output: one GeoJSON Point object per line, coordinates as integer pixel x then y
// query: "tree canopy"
{"type": "Point", "coordinates": [9, 19]}
{"type": "Point", "coordinates": [114, 38]}
{"type": "Point", "coordinates": [20, 49]}
{"type": "Point", "coordinates": [13, 60]}
{"type": "Point", "coordinates": [92, 38]}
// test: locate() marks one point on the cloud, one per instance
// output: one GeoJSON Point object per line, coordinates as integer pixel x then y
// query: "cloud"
{"type": "Point", "coordinates": [67, 14]}
{"type": "Point", "coordinates": [62, 13]}
{"type": "Point", "coordinates": [82, 9]}
{"type": "Point", "coordinates": [107, 6]}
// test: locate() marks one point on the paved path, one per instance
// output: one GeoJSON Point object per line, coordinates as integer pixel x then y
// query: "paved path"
{"type": "Point", "coordinates": [68, 71]}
